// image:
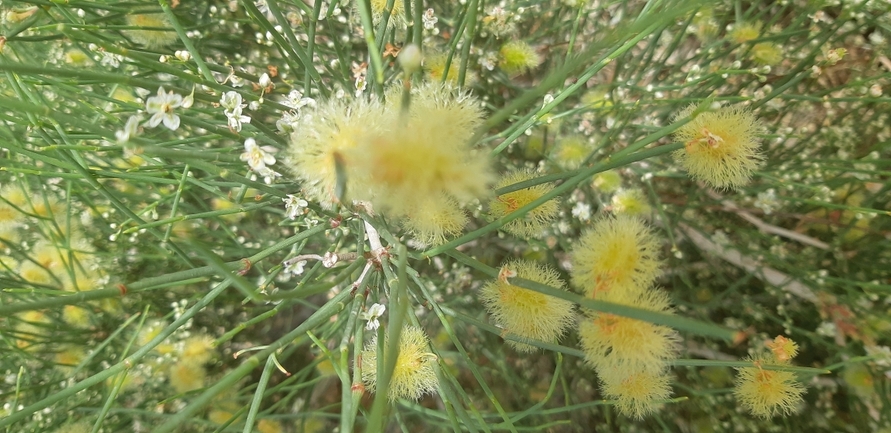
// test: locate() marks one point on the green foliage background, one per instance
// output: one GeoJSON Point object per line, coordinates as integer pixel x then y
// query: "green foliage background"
{"type": "Point", "coordinates": [186, 236]}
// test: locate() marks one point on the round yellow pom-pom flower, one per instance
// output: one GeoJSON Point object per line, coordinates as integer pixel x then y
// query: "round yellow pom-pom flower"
{"type": "Point", "coordinates": [435, 219]}
{"type": "Point", "coordinates": [631, 202]}
{"type": "Point", "coordinates": [744, 32]}
{"type": "Point", "coordinates": [720, 146]}
{"type": "Point", "coordinates": [571, 151]}
{"type": "Point", "coordinates": [197, 349]}
{"type": "Point", "coordinates": [413, 375]}
{"type": "Point", "coordinates": [618, 253]}
{"type": "Point", "coordinates": [326, 138]}
{"type": "Point", "coordinates": [426, 152]}
{"type": "Point", "coordinates": [782, 348]}
{"type": "Point", "coordinates": [612, 341]}
{"type": "Point", "coordinates": [515, 57]}
{"type": "Point", "coordinates": [766, 393]}
{"type": "Point", "coordinates": [637, 393]}
{"type": "Point", "coordinates": [767, 53]}
{"type": "Point", "coordinates": [607, 181]}
{"type": "Point", "coordinates": [186, 376]}
{"type": "Point", "coordinates": [149, 33]}
{"type": "Point", "coordinates": [397, 14]}
{"type": "Point", "coordinates": [435, 66]}
{"type": "Point", "coordinates": [525, 312]}
{"type": "Point", "coordinates": [535, 220]}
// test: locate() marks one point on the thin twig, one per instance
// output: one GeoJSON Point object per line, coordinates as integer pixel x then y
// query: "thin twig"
{"type": "Point", "coordinates": [765, 273]}
{"type": "Point", "coordinates": [768, 228]}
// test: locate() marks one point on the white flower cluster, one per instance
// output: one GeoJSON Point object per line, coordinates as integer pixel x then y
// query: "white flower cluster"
{"type": "Point", "coordinates": [430, 20]}
{"type": "Point", "coordinates": [295, 101]}
{"type": "Point", "coordinates": [161, 108]}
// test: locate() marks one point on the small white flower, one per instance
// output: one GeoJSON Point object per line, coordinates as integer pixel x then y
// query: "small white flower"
{"type": "Point", "coordinates": [296, 100]}
{"type": "Point", "coordinates": [231, 100]}
{"type": "Point", "coordinates": [489, 60]}
{"type": "Point", "coordinates": [826, 329]}
{"type": "Point", "coordinates": [131, 128]}
{"type": "Point", "coordinates": [429, 19]}
{"type": "Point", "coordinates": [189, 100]}
{"type": "Point", "coordinates": [294, 206]}
{"type": "Point", "coordinates": [329, 259]}
{"type": "Point", "coordinates": [110, 59]}
{"type": "Point", "coordinates": [373, 313]}
{"type": "Point", "coordinates": [265, 81]}
{"type": "Point", "coordinates": [269, 175]}
{"type": "Point", "coordinates": [236, 119]}
{"type": "Point", "coordinates": [183, 55]}
{"type": "Point", "coordinates": [582, 211]}
{"type": "Point", "coordinates": [360, 84]}
{"type": "Point", "coordinates": [548, 98]}
{"type": "Point", "coordinates": [767, 201]}
{"type": "Point", "coordinates": [257, 157]}
{"type": "Point", "coordinates": [161, 108]}
{"type": "Point", "coordinates": [288, 123]}
{"type": "Point", "coordinates": [294, 267]}
{"type": "Point", "coordinates": [882, 355]}
{"type": "Point", "coordinates": [235, 80]}
{"type": "Point", "coordinates": [233, 106]}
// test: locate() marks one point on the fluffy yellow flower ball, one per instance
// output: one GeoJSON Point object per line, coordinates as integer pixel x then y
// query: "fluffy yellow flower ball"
{"type": "Point", "coordinates": [525, 312]}
{"type": "Point", "coordinates": [612, 341]}
{"type": "Point", "coordinates": [535, 220]}
{"type": "Point", "coordinates": [618, 253]}
{"type": "Point", "coordinates": [766, 393]}
{"type": "Point", "coordinates": [637, 393]}
{"type": "Point", "coordinates": [721, 146]}
{"type": "Point", "coordinates": [413, 375]}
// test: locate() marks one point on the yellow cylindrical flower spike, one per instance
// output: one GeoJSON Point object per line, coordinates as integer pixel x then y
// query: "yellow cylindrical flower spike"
{"type": "Point", "coordinates": [721, 147]}
{"type": "Point", "coordinates": [525, 312]}
{"type": "Point", "coordinates": [414, 374]}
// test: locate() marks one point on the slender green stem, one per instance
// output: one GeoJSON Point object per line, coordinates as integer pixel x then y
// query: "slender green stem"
{"type": "Point", "coordinates": [561, 189]}
{"type": "Point", "coordinates": [187, 42]}
{"type": "Point", "coordinates": [153, 283]}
